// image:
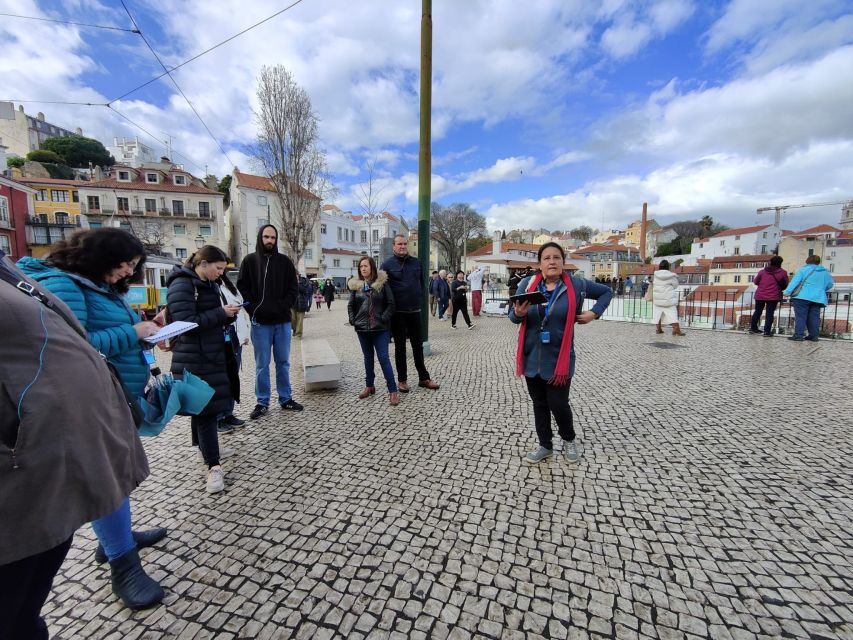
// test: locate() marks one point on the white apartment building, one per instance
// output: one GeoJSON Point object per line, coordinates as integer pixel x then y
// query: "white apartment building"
{"type": "Point", "coordinates": [160, 203]}
{"type": "Point", "coordinates": [760, 239]}
{"type": "Point", "coordinates": [361, 233]}
{"type": "Point", "coordinates": [253, 203]}
{"type": "Point", "coordinates": [131, 151]}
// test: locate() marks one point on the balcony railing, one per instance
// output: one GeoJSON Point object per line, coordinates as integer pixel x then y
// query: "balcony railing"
{"type": "Point", "coordinates": [70, 222]}
{"type": "Point", "coordinates": [165, 212]}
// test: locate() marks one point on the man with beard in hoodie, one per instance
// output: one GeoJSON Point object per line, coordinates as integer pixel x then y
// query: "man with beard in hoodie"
{"type": "Point", "coordinates": [267, 282]}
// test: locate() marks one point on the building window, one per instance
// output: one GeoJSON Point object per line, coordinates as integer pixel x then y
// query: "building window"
{"type": "Point", "coordinates": [180, 229]}
{"type": "Point", "coordinates": [811, 252]}
{"type": "Point", "coordinates": [722, 243]}
{"type": "Point", "coordinates": [204, 209]}
{"type": "Point", "coordinates": [701, 245]}
{"type": "Point", "coordinates": [832, 267]}
{"type": "Point", "coordinates": [205, 230]}
{"type": "Point", "coordinates": [750, 278]}
{"type": "Point", "coordinates": [41, 195]}
{"type": "Point", "coordinates": [764, 235]}
{"type": "Point", "coordinates": [178, 207]}
{"type": "Point", "coordinates": [340, 234]}
{"type": "Point", "coordinates": [180, 253]}
{"type": "Point", "coordinates": [763, 249]}
{"type": "Point", "coordinates": [151, 178]}
{"type": "Point", "coordinates": [336, 262]}
{"type": "Point", "coordinates": [124, 226]}
{"type": "Point", "coordinates": [123, 204]}
{"type": "Point", "coordinates": [364, 236]}
{"type": "Point", "coordinates": [5, 245]}
{"type": "Point", "coordinates": [716, 278]}
{"type": "Point", "coordinates": [309, 237]}
{"type": "Point", "coordinates": [262, 201]}
{"type": "Point", "coordinates": [737, 251]}
{"type": "Point", "coordinates": [737, 237]}
{"type": "Point", "coordinates": [737, 279]}
{"type": "Point", "coordinates": [309, 254]}
{"type": "Point", "coordinates": [124, 176]}
{"type": "Point", "coordinates": [57, 195]}
{"type": "Point", "coordinates": [151, 205]}
{"type": "Point", "coordinates": [95, 225]}
{"type": "Point", "coordinates": [93, 203]}
{"type": "Point", "coordinates": [738, 265]}
{"type": "Point", "coordinates": [180, 180]}
{"type": "Point", "coordinates": [323, 229]}
{"type": "Point", "coordinates": [376, 235]}
{"type": "Point", "coordinates": [4, 210]}
{"type": "Point", "coordinates": [61, 217]}
{"type": "Point", "coordinates": [355, 264]}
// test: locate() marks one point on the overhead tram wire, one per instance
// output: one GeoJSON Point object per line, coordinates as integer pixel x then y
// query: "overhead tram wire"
{"type": "Point", "coordinates": [206, 51]}
{"type": "Point", "coordinates": [81, 104]}
{"type": "Point", "coordinates": [175, 82]}
{"type": "Point", "coordinates": [79, 24]}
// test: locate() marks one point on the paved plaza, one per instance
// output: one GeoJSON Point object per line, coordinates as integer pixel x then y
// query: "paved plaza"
{"type": "Point", "coordinates": [713, 500]}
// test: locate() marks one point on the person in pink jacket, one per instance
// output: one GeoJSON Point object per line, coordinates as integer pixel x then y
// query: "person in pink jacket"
{"type": "Point", "coordinates": [770, 283]}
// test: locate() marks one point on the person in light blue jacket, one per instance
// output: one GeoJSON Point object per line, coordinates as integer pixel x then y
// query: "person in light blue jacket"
{"type": "Point", "coordinates": [810, 283]}
{"type": "Point", "coordinates": [90, 272]}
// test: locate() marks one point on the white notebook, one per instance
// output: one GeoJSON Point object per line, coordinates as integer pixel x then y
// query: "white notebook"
{"type": "Point", "coordinates": [171, 330]}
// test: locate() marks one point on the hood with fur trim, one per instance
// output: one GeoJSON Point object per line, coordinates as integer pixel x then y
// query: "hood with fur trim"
{"type": "Point", "coordinates": [356, 284]}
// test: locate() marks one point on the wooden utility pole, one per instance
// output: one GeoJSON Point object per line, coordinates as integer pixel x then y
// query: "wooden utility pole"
{"type": "Point", "coordinates": [425, 163]}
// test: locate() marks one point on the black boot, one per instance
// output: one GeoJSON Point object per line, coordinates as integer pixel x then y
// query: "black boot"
{"type": "Point", "coordinates": [143, 539]}
{"type": "Point", "coordinates": [130, 582]}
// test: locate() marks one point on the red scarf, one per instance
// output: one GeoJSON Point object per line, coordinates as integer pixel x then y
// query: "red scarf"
{"type": "Point", "coordinates": [561, 371]}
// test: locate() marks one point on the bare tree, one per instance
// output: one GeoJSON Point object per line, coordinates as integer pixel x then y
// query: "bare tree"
{"type": "Point", "coordinates": [288, 149]}
{"type": "Point", "coordinates": [153, 234]}
{"type": "Point", "coordinates": [373, 204]}
{"type": "Point", "coordinates": [452, 227]}
{"type": "Point", "coordinates": [583, 232]}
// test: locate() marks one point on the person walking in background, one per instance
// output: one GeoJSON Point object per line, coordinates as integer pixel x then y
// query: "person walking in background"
{"type": "Point", "coordinates": [329, 293]}
{"type": "Point", "coordinates": [442, 294]}
{"type": "Point", "coordinates": [475, 279]}
{"type": "Point", "coordinates": [370, 308]}
{"type": "Point", "coordinates": [770, 282]}
{"type": "Point", "coordinates": [628, 285]}
{"type": "Point", "coordinates": [807, 290]}
{"type": "Point", "coordinates": [644, 286]}
{"type": "Point", "coordinates": [433, 300]}
{"type": "Point", "coordinates": [664, 298]}
{"type": "Point", "coordinates": [91, 272]}
{"type": "Point", "coordinates": [303, 304]}
{"type": "Point", "coordinates": [318, 295]}
{"type": "Point", "coordinates": [69, 453]}
{"type": "Point", "coordinates": [545, 354]}
{"type": "Point", "coordinates": [449, 279]}
{"type": "Point", "coordinates": [405, 276]}
{"type": "Point", "coordinates": [267, 282]}
{"type": "Point", "coordinates": [194, 297]}
{"type": "Point", "coordinates": [460, 300]}
{"type": "Point", "coordinates": [237, 337]}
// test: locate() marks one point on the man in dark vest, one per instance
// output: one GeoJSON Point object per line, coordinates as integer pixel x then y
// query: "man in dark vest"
{"type": "Point", "coordinates": [406, 277]}
{"type": "Point", "coordinates": [267, 282]}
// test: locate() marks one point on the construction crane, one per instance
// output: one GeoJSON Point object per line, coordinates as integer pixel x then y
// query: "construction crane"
{"type": "Point", "coordinates": [779, 209]}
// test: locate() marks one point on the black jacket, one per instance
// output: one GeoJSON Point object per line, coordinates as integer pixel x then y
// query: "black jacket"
{"type": "Point", "coordinates": [304, 291]}
{"type": "Point", "coordinates": [267, 282]}
{"type": "Point", "coordinates": [202, 351]}
{"type": "Point", "coordinates": [406, 278]}
{"type": "Point", "coordinates": [370, 310]}
{"type": "Point", "coordinates": [458, 292]}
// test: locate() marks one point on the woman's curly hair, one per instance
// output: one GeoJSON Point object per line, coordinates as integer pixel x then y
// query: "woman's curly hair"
{"type": "Point", "coordinates": [93, 253]}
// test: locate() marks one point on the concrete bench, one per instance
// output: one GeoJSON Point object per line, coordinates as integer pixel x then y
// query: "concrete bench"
{"type": "Point", "coordinates": [322, 368]}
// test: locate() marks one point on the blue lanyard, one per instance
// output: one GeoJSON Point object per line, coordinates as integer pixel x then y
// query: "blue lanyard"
{"type": "Point", "coordinates": [551, 297]}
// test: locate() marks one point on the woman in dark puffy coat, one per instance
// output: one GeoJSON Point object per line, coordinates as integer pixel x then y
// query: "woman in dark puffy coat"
{"type": "Point", "coordinates": [370, 307]}
{"type": "Point", "coordinates": [329, 293]}
{"type": "Point", "coordinates": [194, 297]}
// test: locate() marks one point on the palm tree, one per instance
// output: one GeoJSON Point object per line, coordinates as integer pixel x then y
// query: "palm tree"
{"type": "Point", "coordinates": [707, 222]}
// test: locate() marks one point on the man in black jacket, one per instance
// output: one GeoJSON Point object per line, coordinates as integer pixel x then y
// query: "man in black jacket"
{"type": "Point", "coordinates": [406, 278]}
{"type": "Point", "coordinates": [267, 282]}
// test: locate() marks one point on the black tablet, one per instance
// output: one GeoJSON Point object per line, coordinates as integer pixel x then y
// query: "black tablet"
{"type": "Point", "coordinates": [534, 297]}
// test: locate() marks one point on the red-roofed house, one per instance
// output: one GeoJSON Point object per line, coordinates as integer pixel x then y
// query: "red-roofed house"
{"type": "Point", "coordinates": [609, 260]}
{"type": "Point", "coordinates": [501, 257]}
{"type": "Point", "coordinates": [833, 245]}
{"type": "Point", "coordinates": [758, 239]}
{"type": "Point", "coordinates": [170, 210]}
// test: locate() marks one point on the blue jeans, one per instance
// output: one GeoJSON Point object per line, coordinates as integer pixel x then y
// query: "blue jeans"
{"type": "Point", "coordinates": [113, 531]}
{"type": "Point", "coordinates": [807, 315]}
{"type": "Point", "coordinates": [377, 341]}
{"type": "Point", "coordinates": [442, 307]}
{"type": "Point", "coordinates": [272, 339]}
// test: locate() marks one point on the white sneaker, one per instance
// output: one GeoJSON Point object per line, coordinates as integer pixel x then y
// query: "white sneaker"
{"type": "Point", "coordinates": [215, 480]}
{"type": "Point", "coordinates": [224, 452]}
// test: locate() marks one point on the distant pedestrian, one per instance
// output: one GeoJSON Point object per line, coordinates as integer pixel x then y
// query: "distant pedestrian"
{"type": "Point", "coordinates": [370, 308]}
{"type": "Point", "coordinates": [475, 280]}
{"type": "Point", "coordinates": [545, 354]}
{"type": "Point", "coordinates": [664, 297]}
{"type": "Point", "coordinates": [318, 295]}
{"type": "Point", "coordinates": [449, 279]}
{"type": "Point", "coordinates": [460, 301]}
{"type": "Point", "coordinates": [808, 290]}
{"type": "Point", "coordinates": [442, 294]}
{"type": "Point", "coordinates": [406, 278]}
{"type": "Point", "coordinates": [433, 300]}
{"type": "Point", "coordinates": [770, 283]}
{"type": "Point", "coordinates": [303, 304]}
{"type": "Point", "coordinates": [629, 284]}
{"type": "Point", "coordinates": [620, 286]}
{"type": "Point", "coordinates": [329, 293]}
{"type": "Point", "coordinates": [644, 285]}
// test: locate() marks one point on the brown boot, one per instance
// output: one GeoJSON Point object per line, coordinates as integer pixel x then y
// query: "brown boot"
{"type": "Point", "coordinates": [393, 399]}
{"type": "Point", "coordinates": [368, 391]}
{"type": "Point", "coordinates": [676, 330]}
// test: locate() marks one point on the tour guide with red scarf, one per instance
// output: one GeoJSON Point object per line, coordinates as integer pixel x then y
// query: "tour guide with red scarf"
{"type": "Point", "coordinates": [545, 355]}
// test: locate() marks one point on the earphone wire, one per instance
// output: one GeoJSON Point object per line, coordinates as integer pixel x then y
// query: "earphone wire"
{"type": "Point", "coordinates": [41, 358]}
{"type": "Point", "coordinates": [263, 290]}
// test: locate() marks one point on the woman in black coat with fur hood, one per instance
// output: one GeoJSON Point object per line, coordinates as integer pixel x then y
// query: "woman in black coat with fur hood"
{"type": "Point", "coordinates": [194, 297]}
{"type": "Point", "coordinates": [370, 307]}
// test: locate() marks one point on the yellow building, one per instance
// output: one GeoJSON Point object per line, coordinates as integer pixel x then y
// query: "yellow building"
{"type": "Point", "coordinates": [56, 206]}
{"type": "Point", "coordinates": [736, 270]}
{"type": "Point", "coordinates": [634, 232]}
{"type": "Point", "coordinates": [433, 250]}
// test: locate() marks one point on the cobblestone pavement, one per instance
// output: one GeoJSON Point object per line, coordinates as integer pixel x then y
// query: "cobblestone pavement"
{"type": "Point", "coordinates": [712, 501]}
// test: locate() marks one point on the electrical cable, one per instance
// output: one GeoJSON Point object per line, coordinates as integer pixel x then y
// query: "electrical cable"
{"type": "Point", "coordinates": [82, 104]}
{"type": "Point", "coordinates": [41, 359]}
{"type": "Point", "coordinates": [79, 24]}
{"type": "Point", "coordinates": [181, 91]}
{"type": "Point", "coordinates": [206, 51]}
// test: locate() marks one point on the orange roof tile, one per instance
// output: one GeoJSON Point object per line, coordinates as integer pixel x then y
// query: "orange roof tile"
{"type": "Point", "coordinates": [741, 231]}
{"type": "Point", "coordinates": [343, 252]}
{"type": "Point", "coordinates": [262, 183]}
{"type": "Point", "coordinates": [70, 183]}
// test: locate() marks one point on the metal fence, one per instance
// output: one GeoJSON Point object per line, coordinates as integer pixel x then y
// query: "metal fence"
{"type": "Point", "coordinates": [721, 311]}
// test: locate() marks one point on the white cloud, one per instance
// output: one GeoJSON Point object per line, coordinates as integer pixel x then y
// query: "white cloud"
{"type": "Point", "coordinates": [630, 32]}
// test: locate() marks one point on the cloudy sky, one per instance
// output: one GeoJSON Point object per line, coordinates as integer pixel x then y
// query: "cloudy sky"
{"type": "Point", "coordinates": [548, 113]}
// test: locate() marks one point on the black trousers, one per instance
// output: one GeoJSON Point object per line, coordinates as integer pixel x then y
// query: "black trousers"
{"type": "Point", "coordinates": [24, 587]}
{"type": "Point", "coordinates": [460, 305]}
{"type": "Point", "coordinates": [206, 437]}
{"type": "Point", "coordinates": [768, 320]}
{"type": "Point", "coordinates": [548, 399]}
{"type": "Point", "coordinates": [408, 325]}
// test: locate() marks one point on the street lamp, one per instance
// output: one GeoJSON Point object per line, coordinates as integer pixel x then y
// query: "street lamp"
{"type": "Point", "coordinates": [199, 241]}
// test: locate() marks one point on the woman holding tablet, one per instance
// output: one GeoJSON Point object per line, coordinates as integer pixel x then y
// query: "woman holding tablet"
{"type": "Point", "coordinates": [545, 355]}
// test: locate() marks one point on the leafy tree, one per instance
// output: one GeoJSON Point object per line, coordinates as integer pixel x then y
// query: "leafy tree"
{"type": "Point", "coordinates": [45, 155]}
{"type": "Point", "coordinates": [15, 161]}
{"type": "Point", "coordinates": [706, 223]}
{"type": "Point", "coordinates": [58, 171]}
{"type": "Point", "coordinates": [583, 232]}
{"type": "Point", "coordinates": [475, 243]}
{"type": "Point", "coordinates": [79, 151]}
{"type": "Point", "coordinates": [224, 187]}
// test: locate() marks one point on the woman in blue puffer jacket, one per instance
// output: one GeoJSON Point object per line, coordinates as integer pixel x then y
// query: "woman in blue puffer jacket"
{"type": "Point", "coordinates": [91, 272]}
{"type": "Point", "coordinates": [808, 296]}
